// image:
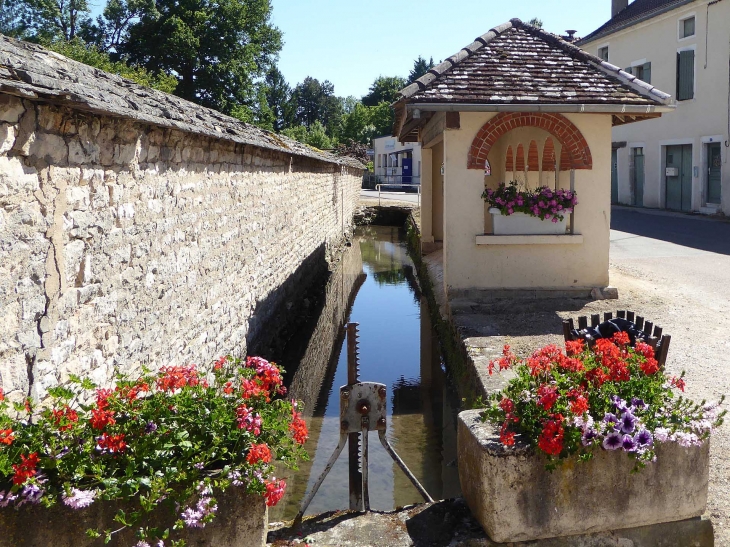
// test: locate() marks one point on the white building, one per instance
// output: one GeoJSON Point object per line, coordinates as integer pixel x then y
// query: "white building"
{"type": "Point", "coordinates": [678, 161]}
{"type": "Point", "coordinates": [395, 162]}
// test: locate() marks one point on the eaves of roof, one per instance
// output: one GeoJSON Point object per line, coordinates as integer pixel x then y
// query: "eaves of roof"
{"type": "Point", "coordinates": [620, 22]}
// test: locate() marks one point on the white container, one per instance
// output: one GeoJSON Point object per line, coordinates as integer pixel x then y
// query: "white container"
{"type": "Point", "coordinates": [524, 224]}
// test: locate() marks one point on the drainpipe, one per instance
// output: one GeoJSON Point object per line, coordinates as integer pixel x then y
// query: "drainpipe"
{"type": "Point", "coordinates": [707, 53]}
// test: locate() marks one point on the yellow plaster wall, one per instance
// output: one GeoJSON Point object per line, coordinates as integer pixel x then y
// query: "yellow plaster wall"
{"type": "Point", "coordinates": [468, 266]}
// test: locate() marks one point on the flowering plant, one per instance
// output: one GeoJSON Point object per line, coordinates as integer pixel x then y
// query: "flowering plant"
{"type": "Point", "coordinates": [543, 202]}
{"type": "Point", "coordinates": [178, 435]}
{"type": "Point", "coordinates": [611, 396]}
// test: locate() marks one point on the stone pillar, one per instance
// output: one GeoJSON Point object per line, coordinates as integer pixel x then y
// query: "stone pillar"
{"type": "Point", "coordinates": [426, 195]}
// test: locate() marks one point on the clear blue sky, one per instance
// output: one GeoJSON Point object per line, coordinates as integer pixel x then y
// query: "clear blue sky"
{"type": "Point", "coordinates": [351, 42]}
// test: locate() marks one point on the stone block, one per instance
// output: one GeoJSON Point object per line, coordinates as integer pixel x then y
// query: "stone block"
{"type": "Point", "coordinates": [11, 108]}
{"type": "Point", "coordinates": [515, 498]}
{"type": "Point", "coordinates": [7, 137]}
{"type": "Point", "coordinates": [49, 147]}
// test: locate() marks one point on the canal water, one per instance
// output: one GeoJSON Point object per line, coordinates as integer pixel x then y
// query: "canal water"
{"type": "Point", "coordinates": [374, 285]}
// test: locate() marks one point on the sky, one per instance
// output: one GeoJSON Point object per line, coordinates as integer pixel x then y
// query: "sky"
{"type": "Point", "coordinates": [352, 42]}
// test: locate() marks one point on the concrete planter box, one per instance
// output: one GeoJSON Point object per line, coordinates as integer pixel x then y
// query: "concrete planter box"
{"type": "Point", "coordinates": [241, 521]}
{"type": "Point", "coordinates": [515, 498]}
{"type": "Point", "coordinates": [524, 224]}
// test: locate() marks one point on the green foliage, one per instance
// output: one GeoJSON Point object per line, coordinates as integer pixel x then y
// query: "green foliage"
{"type": "Point", "coordinates": [384, 89]}
{"type": "Point", "coordinates": [14, 18]}
{"type": "Point", "coordinates": [217, 49]}
{"type": "Point", "coordinates": [46, 20]}
{"type": "Point", "coordinates": [90, 55]}
{"type": "Point", "coordinates": [278, 99]}
{"type": "Point", "coordinates": [535, 22]}
{"type": "Point", "coordinates": [316, 102]}
{"type": "Point", "coordinates": [420, 68]}
{"type": "Point", "coordinates": [314, 135]}
{"type": "Point", "coordinates": [178, 435]}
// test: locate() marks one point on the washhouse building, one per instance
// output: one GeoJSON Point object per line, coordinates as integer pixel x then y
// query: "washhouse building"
{"type": "Point", "coordinates": [678, 162]}
{"type": "Point", "coordinates": [519, 104]}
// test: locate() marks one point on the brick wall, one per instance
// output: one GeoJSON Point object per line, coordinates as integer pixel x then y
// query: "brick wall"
{"type": "Point", "coordinates": [125, 244]}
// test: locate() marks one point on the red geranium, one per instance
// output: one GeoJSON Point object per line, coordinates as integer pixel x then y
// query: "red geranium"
{"type": "Point", "coordinates": [274, 492]}
{"type": "Point", "coordinates": [506, 361]}
{"type": "Point", "coordinates": [101, 418]}
{"type": "Point", "coordinates": [551, 438]}
{"type": "Point", "coordinates": [113, 443]}
{"type": "Point", "coordinates": [7, 436]}
{"type": "Point", "coordinates": [547, 396]}
{"type": "Point", "coordinates": [65, 418]}
{"type": "Point", "coordinates": [650, 366]}
{"type": "Point", "coordinates": [299, 428]}
{"type": "Point", "coordinates": [258, 453]}
{"type": "Point", "coordinates": [26, 469]}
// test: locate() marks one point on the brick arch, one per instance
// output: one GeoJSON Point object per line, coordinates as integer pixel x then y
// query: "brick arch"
{"type": "Point", "coordinates": [548, 156]}
{"type": "Point", "coordinates": [509, 164]}
{"type": "Point", "coordinates": [566, 133]}
{"type": "Point", "coordinates": [533, 158]}
{"type": "Point", "coordinates": [520, 161]}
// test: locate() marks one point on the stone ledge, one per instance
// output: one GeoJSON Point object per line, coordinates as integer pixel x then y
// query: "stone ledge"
{"type": "Point", "coordinates": [569, 239]}
{"type": "Point", "coordinates": [515, 499]}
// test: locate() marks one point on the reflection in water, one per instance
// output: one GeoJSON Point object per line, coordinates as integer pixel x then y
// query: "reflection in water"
{"type": "Point", "coordinates": [398, 347]}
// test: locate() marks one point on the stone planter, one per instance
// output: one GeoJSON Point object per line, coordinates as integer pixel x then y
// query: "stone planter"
{"type": "Point", "coordinates": [523, 224]}
{"type": "Point", "coordinates": [241, 521]}
{"type": "Point", "coordinates": [515, 498]}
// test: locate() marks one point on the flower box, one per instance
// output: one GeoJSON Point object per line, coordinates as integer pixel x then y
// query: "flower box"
{"type": "Point", "coordinates": [515, 498]}
{"type": "Point", "coordinates": [241, 521]}
{"type": "Point", "coordinates": [524, 224]}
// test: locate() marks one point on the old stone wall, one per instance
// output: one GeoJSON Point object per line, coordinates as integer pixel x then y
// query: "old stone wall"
{"type": "Point", "coordinates": [123, 243]}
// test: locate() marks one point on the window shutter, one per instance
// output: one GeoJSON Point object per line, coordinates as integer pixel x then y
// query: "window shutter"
{"type": "Point", "coordinates": [647, 73]}
{"type": "Point", "coordinates": [685, 75]}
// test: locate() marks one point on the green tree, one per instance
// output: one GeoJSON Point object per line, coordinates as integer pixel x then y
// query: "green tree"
{"type": "Point", "coordinates": [314, 101]}
{"type": "Point", "coordinates": [357, 126]}
{"type": "Point", "coordinates": [384, 88]}
{"type": "Point", "coordinates": [112, 28]}
{"type": "Point", "coordinates": [89, 54]}
{"type": "Point", "coordinates": [14, 18]}
{"type": "Point", "coordinates": [382, 117]}
{"type": "Point", "coordinates": [420, 67]}
{"type": "Point", "coordinates": [217, 49]}
{"type": "Point", "coordinates": [315, 135]}
{"type": "Point", "coordinates": [48, 20]}
{"type": "Point", "coordinates": [535, 22]}
{"type": "Point", "coordinates": [278, 98]}
{"type": "Point", "coordinates": [259, 113]}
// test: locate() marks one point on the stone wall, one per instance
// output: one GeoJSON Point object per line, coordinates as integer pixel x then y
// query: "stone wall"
{"type": "Point", "coordinates": [124, 243]}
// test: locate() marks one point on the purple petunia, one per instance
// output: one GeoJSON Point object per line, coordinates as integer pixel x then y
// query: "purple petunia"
{"type": "Point", "coordinates": [589, 436]}
{"type": "Point", "coordinates": [644, 438]}
{"type": "Point", "coordinates": [627, 443]}
{"type": "Point", "coordinates": [638, 404]}
{"type": "Point", "coordinates": [610, 418]}
{"type": "Point", "coordinates": [613, 441]}
{"type": "Point", "coordinates": [628, 422]}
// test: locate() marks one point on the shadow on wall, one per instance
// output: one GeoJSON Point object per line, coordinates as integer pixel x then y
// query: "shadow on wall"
{"type": "Point", "coordinates": [698, 233]}
{"type": "Point", "coordinates": [277, 318]}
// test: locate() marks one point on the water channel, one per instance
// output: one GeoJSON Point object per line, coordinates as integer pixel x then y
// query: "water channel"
{"type": "Point", "coordinates": [374, 286]}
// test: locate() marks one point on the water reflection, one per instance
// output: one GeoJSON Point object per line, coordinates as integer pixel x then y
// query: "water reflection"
{"type": "Point", "coordinates": [375, 287]}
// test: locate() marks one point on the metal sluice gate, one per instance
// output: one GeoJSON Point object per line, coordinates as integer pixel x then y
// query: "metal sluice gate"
{"type": "Point", "coordinates": [362, 409]}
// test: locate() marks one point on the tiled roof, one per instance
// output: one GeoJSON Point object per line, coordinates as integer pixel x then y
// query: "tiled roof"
{"type": "Point", "coordinates": [517, 63]}
{"type": "Point", "coordinates": [637, 11]}
{"type": "Point", "coordinates": [34, 73]}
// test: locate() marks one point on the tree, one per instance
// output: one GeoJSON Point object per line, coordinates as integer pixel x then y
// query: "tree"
{"type": "Point", "coordinates": [420, 68]}
{"type": "Point", "coordinates": [384, 88]}
{"type": "Point", "coordinates": [535, 22]}
{"type": "Point", "coordinates": [382, 117]}
{"type": "Point", "coordinates": [314, 101]}
{"type": "Point", "coordinates": [112, 28]}
{"type": "Point", "coordinates": [315, 135]}
{"type": "Point", "coordinates": [46, 20]}
{"type": "Point", "coordinates": [357, 126]}
{"type": "Point", "coordinates": [14, 18]}
{"type": "Point", "coordinates": [278, 98]}
{"type": "Point", "coordinates": [89, 54]}
{"type": "Point", "coordinates": [259, 114]}
{"type": "Point", "coordinates": [217, 49]}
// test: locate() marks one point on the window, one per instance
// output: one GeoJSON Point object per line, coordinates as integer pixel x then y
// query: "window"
{"type": "Point", "coordinates": [642, 72]}
{"type": "Point", "coordinates": [685, 75]}
{"type": "Point", "coordinates": [603, 53]}
{"type": "Point", "coordinates": [687, 27]}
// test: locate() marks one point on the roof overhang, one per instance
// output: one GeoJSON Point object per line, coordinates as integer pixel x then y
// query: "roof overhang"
{"type": "Point", "coordinates": [413, 116]}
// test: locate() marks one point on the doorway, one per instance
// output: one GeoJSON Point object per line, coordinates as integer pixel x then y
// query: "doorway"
{"type": "Point", "coordinates": [714, 173]}
{"type": "Point", "coordinates": [638, 176]}
{"type": "Point", "coordinates": [678, 177]}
